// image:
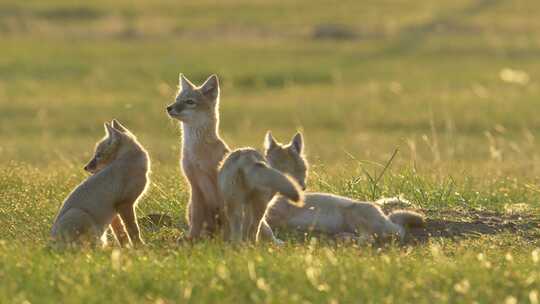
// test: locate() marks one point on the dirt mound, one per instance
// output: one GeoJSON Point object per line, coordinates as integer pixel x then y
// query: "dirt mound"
{"type": "Point", "coordinates": [467, 223]}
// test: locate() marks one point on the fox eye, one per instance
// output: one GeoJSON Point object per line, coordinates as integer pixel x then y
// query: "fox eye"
{"type": "Point", "coordinates": [190, 102]}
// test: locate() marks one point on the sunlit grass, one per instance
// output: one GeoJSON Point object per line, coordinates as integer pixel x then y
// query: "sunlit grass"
{"type": "Point", "coordinates": [452, 85]}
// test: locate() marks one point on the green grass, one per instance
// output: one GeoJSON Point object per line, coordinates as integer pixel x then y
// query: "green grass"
{"type": "Point", "coordinates": [420, 76]}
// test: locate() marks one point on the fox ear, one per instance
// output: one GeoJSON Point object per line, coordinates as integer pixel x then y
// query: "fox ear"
{"type": "Point", "coordinates": [118, 126]}
{"type": "Point", "coordinates": [210, 88]}
{"type": "Point", "coordinates": [112, 133]}
{"type": "Point", "coordinates": [297, 143]}
{"type": "Point", "coordinates": [269, 141]}
{"type": "Point", "coordinates": [108, 128]}
{"type": "Point", "coordinates": [185, 84]}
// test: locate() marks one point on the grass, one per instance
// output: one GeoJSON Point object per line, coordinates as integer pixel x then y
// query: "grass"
{"type": "Point", "coordinates": [421, 77]}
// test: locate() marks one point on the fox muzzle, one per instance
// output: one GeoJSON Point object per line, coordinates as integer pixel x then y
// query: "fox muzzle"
{"type": "Point", "coordinates": [175, 110]}
{"type": "Point", "coordinates": [91, 166]}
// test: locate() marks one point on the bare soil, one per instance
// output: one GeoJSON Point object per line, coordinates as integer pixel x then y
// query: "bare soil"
{"type": "Point", "coordinates": [468, 223]}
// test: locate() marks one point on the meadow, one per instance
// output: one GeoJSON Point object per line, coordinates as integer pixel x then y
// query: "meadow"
{"type": "Point", "coordinates": [452, 86]}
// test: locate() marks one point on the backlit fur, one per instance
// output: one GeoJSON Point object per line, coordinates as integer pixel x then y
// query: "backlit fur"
{"type": "Point", "coordinates": [197, 109]}
{"type": "Point", "coordinates": [324, 212]}
{"type": "Point", "coordinates": [247, 184]}
{"type": "Point", "coordinates": [120, 173]}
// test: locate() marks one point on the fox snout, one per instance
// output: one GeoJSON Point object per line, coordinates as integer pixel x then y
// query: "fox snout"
{"type": "Point", "coordinates": [174, 110]}
{"type": "Point", "coordinates": [91, 166]}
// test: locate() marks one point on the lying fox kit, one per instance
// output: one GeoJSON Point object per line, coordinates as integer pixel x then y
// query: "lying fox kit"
{"type": "Point", "coordinates": [247, 184]}
{"type": "Point", "coordinates": [197, 108]}
{"type": "Point", "coordinates": [323, 212]}
{"type": "Point", "coordinates": [337, 216]}
{"type": "Point", "coordinates": [120, 168]}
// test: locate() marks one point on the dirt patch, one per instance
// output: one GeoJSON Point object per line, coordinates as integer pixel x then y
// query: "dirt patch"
{"type": "Point", "coordinates": [470, 223]}
{"type": "Point", "coordinates": [467, 222]}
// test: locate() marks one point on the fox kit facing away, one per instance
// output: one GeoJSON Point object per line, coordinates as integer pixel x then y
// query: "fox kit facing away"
{"type": "Point", "coordinates": [197, 108]}
{"type": "Point", "coordinates": [247, 184]}
{"type": "Point", "coordinates": [120, 169]}
{"type": "Point", "coordinates": [327, 213]}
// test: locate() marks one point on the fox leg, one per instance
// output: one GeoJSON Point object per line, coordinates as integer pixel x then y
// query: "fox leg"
{"type": "Point", "coordinates": [213, 203]}
{"type": "Point", "coordinates": [235, 219]}
{"type": "Point", "coordinates": [196, 214]}
{"type": "Point", "coordinates": [119, 231]}
{"type": "Point", "coordinates": [248, 221]}
{"type": "Point", "coordinates": [257, 215]}
{"type": "Point", "coordinates": [127, 213]}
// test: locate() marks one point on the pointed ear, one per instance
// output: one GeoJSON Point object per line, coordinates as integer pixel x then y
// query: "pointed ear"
{"type": "Point", "coordinates": [210, 88]}
{"type": "Point", "coordinates": [108, 129]}
{"type": "Point", "coordinates": [118, 126]}
{"type": "Point", "coordinates": [269, 141]}
{"type": "Point", "coordinates": [297, 143]}
{"type": "Point", "coordinates": [112, 133]}
{"type": "Point", "coordinates": [185, 84]}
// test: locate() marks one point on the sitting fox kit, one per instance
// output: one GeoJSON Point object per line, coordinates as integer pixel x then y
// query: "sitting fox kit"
{"type": "Point", "coordinates": [323, 212]}
{"type": "Point", "coordinates": [247, 184]}
{"type": "Point", "coordinates": [197, 108]}
{"type": "Point", "coordinates": [120, 169]}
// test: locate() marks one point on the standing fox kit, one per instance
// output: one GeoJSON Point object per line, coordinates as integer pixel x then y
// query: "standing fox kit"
{"type": "Point", "coordinates": [197, 108]}
{"type": "Point", "coordinates": [120, 169]}
{"type": "Point", "coordinates": [327, 213]}
{"type": "Point", "coordinates": [247, 184]}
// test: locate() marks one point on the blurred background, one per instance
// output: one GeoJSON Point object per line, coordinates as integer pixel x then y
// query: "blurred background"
{"type": "Point", "coordinates": [452, 84]}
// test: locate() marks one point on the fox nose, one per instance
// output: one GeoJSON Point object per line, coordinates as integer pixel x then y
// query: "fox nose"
{"type": "Point", "coordinates": [169, 108]}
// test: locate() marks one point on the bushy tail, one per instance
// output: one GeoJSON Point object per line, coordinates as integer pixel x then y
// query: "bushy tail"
{"type": "Point", "coordinates": [265, 177]}
{"type": "Point", "coordinates": [407, 219]}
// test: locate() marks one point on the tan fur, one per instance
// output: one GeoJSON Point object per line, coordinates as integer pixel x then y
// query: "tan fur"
{"type": "Point", "coordinates": [288, 158]}
{"type": "Point", "coordinates": [120, 168]}
{"type": "Point", "coordinates": [197, 108]}
{"type": "Point", "coordinates": [335, 215]}
{"type": "Point", "coordinates": [247, 184]}
{"type": "Point", "coordinates": [323, 212]}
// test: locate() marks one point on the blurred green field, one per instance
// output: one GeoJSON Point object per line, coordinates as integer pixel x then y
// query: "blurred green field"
{"type": "Point", "coordinates": [454, 85]}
